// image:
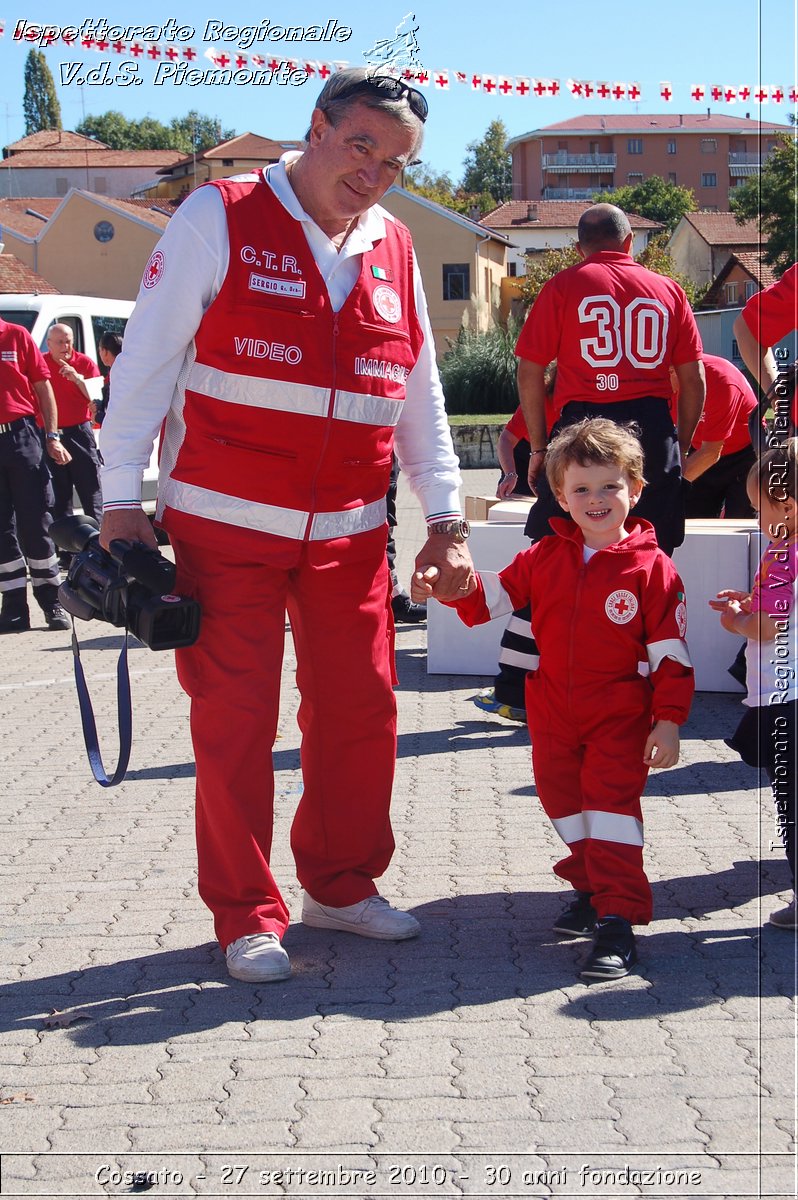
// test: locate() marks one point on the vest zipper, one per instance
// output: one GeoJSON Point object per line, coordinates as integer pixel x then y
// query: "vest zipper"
{"type": "Point", "coordinates": [328, 429]}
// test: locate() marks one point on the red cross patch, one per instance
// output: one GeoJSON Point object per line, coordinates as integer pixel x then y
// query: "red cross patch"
{"type": "Point", "coordinates": [621, 606]}
{"type": "Point", "coordinates": [153, 270]}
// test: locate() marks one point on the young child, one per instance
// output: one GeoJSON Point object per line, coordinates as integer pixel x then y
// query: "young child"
{"type": "Point", "coordinates": [614, 679]}
{"type": "Point", "coordinates": [766, 736]}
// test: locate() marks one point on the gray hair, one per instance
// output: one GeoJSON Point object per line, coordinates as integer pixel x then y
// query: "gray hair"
{"type": "Point", "coordinates": [343, 90]}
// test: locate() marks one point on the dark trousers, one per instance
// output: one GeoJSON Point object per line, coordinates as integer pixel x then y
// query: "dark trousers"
{"type": "Point", "coordinates": [82, 474]}
{"type": "Point", "coordinates": [721, 489]}
{"type": "Point", "coordinates": [25, 498]}
{"type": "Point", "coordinates": [767, 738]}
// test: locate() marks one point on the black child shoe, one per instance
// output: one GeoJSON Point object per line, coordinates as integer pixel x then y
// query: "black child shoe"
{"type": "Point", "coordinates": [579, 918]}
{"type": "Point", "coordinates": [614, 952]}
{"type": "Point", "coordinates": [405, 609]}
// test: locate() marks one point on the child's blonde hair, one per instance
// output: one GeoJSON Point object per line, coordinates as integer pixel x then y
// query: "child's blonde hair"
{"type": "Point", "coordinates": [595, 440]}
{"type": "Point", "coordinates": [775, 473]}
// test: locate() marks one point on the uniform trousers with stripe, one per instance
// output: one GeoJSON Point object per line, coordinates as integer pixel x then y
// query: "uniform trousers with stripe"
{"type": "Point", "coordinates": [25, 499]}
{"type": "Point", "coordinates": [336, 595]}
{"type": "Point", "coordinates": [590, 775]}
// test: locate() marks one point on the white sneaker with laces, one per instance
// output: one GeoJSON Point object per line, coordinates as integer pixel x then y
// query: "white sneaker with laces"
{"type": "Point", "coordinates": [373, 917]}
{"type": "Point", "coordinates": [258, 958]}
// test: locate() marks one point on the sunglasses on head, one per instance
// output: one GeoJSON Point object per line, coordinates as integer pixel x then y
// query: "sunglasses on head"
{"type": "Point", "coordinates": [394, 89]}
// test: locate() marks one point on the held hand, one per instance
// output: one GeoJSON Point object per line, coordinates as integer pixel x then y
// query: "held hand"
{"type": "Point", "coordinates": [128, 523]}
{"type": "Point", "coordinates": [422, 583]}
{"type": "Point", "coordinates": [662, 747]}
{"type": "Point", "coordinates": [455, 576]}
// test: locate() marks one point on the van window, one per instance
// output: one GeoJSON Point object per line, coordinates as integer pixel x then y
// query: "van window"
{"type": "Point", "coordinates": [20, 316]}
{"type": "Point", "coordinates": [76, 325]}
{"type": "Point", "coordinates": [101, 325]}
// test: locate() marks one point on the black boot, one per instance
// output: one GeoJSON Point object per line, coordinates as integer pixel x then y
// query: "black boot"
{"type": "Point", "coordinates": [614, 952]}
{"type": "Point", "coordinates": [14, 615]}
{"type": "Point", "coordinates": [579, 918]}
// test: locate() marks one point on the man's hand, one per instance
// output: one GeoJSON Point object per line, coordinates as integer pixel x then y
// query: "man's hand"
{"type": "Point", "coordinates": [453, 562]}
{"type": "Point", "coordinates": [662, 747]}
{"type": "Point", "coordinates": [128, 523]}
{"type": "Point", "coordinates": [536, 463]}
{"type": "Point", "coordinates": [68, 371]}
{"type": "Point", "coordinates": [58, 452]}
{"type": "Point", "coordinates": [506, 485]}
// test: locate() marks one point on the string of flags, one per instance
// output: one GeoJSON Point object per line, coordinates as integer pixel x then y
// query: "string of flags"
{"type": "Point", "coordinates": [526, 86]}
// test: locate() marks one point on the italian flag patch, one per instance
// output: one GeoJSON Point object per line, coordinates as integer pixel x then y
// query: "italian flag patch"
{"type": "Point", "coordinates": [381, 273]}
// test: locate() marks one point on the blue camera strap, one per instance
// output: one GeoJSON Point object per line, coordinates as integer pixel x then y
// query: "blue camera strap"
{"type": "Point", "coordinates": [124, 716]}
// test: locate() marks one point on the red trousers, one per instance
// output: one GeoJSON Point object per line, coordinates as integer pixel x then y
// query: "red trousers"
{"type": "Point", "coordinates": [337, 597]}
{"type": "Point", "coordinates": [590, 774]}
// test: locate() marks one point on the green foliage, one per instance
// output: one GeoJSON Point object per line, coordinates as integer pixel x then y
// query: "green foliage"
{"type": "Point", "coordinates": [770, 199]}
{"type": "Point", "coordinates": [441, 190]}
{"type": "Point", "coordinates": [488, 166]}
{"type": "Point", "coordinates": [40, 105]}
{"type": "Point", "coordinates": [194, 132]}
{"type": "Point", "coordinates": [654, 198]}
{"type": "Point", "coordinates": [541, 267]}
{"type": "Point", "coordinates": [478, 373]}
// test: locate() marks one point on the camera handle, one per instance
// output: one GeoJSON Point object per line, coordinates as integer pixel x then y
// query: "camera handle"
{"type": "Point", "coordinates": [124, 715]}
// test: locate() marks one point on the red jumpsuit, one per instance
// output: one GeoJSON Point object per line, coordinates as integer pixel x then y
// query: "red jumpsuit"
{"type": "Point", "coordinates": [275, 463]}
{"type": "Point", "coordinates": [612, 660]}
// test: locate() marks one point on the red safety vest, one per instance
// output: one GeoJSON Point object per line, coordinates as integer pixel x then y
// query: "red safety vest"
{"type": "Point", "coordinates": [284, 426]}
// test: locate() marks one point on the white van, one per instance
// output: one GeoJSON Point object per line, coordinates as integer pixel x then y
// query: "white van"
{"type": "Point", "coordinates": [89, 317]}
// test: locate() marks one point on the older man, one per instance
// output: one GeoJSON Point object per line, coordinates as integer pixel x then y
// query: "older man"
{"type": "Point", "coordinates": [69, 370]}
{"type": "Point", "coordinates": [282, 330]}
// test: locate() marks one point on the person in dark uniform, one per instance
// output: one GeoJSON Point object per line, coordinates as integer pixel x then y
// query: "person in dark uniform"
{"type": "Point", "coordinates": [69, 371]}
{"type": "Point", "coordinates": [25, 483]}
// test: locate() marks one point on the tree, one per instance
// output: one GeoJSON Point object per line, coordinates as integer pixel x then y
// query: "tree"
{"type": "Point", "coordinates": [770, 199]}
{"type": "Point", "coordinates": [488, 166]}
{"type": "Point", "coordinates": [654, 199]}
{"type": "Point", "coordinates": [656, 258]}
{"type": "Point", "coordinates": [194, 132]}
{"type": "Point", "coordinates": [541, 267]}
{"type": "Point", "coordinates": [40, 105]}
{"type": "Point", "coordinates": [441, 190]}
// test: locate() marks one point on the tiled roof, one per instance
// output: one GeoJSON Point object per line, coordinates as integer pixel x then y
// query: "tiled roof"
{"type": "Point", "coordinates": [752, 262]}
{"type": "Point", "coordinates": [551, 214]}
{"type": "Point", "coordinates": [148, 210]}
{"type": "Point", "coordinates": [15, 217]}
{"type": "Point", "coordinates": [55, 139]}
{"type": "Point", "coordinates": [654, 123]}
{"type": "Point", "coordinates": [16, 277]}
{"type": "Point", "coordinates": [91, 158]}
{"type": "Point", "coordinates": [245, 146]}
{"type": "Point", "coordinates": [721, 229]}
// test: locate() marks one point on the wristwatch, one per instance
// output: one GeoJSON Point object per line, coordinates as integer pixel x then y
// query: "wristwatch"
{"type": "Point", "coordinates": [460, 529]}
{"type": "Point", "coordinates": [53, 437]}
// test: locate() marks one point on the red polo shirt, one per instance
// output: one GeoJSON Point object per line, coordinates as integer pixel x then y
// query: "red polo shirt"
{"type": "Point", "coordinates": [21, 365]}
{"type": "Point", "coordinates": [73, 408]}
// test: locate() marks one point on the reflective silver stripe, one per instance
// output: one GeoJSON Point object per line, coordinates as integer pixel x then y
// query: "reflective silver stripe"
{"type": "Point", "coordinates": [519, 626]}
{"type": "Point", "coordinates": [268, 518]}
{"type": "Point", "coordinates": [643, 669]}
{"type": "Point", "coordinates": [273, 394]}
{"type": "Point", "coordinates": [366, 410]}
{"type": "Point", "coordinates": [613, 827]}
{"type": "Point", "coordinates": [667, 648]}
{"type": "Point", "coordinates": [496, 598]}
{"type": "Point", "coordinates": [231, 510]}
{"type": "Point", "coordinates": [351, 521]}
{"type": "Point", "coordinates": [8, 585]}
{"type": "Point", "coordinates": [571, 829]}
{"type": "Point", "coordinates": [43, 564]}
{"type": "Point", "coordinates": [18, 564]}
{"type": "Point", "coordinates": [280, 395]}
{"type": "Point", "coordinates": [516, 658]}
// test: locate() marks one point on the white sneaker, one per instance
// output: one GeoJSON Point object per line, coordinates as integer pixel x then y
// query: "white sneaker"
{"type": "Point", "coordinates": [258, 958]}
{"type": "Point", "coordinates": [372, 918]}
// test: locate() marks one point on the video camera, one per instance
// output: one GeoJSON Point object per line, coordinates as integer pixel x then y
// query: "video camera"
{"type": "Point", "coordinates": [132, 587]}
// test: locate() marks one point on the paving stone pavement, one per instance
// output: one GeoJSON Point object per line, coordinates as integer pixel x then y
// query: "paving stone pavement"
{"type": "Point", "coordinates": [471, 1061]}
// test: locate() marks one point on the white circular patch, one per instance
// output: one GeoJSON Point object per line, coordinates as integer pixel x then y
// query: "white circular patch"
{"type": "Point", "coordinates": [621, 606]}
{"type": "Point", "coordinates": [387, 303]}
{"type": "Point", "coordinates": [681, 618]}
{"type": "Point", "coordinates": [154, 269]}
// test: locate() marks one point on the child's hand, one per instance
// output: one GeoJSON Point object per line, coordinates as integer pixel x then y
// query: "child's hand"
{"type": "Point", "coordinates": [422, 583]}
{"type": "Point", "coordinates": [662, 747]}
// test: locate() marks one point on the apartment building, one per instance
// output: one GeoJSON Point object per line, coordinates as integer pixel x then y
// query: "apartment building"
{"type": "Point", "coordinates": [711, 153]}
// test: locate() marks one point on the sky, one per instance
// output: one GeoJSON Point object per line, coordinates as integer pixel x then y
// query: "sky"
{"type": "Point", "coordinates": [731, 43]}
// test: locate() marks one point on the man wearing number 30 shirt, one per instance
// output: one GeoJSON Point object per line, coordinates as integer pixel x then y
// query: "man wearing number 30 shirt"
{"type": "Point", "coordinates": [615, 328]}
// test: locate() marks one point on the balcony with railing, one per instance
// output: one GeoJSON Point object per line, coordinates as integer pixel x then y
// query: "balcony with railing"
{"type": "Point", "coordinates": [742, 163]}
{"type": "Point", "coordinates": [563, 161]}
{"type": "Point", "coordinates": [572, 193]}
